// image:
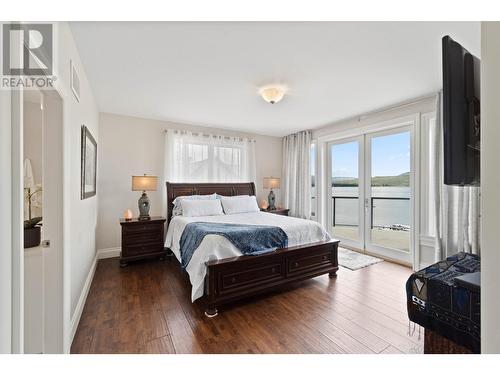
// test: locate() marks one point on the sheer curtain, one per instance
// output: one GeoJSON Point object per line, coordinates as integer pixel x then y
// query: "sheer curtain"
{"type": "Point", "coordinates": [199, 157]}
{"type": "Point", "coordinates": [456, 208]}
{"type": "Point", "coordinates": [296, 174]}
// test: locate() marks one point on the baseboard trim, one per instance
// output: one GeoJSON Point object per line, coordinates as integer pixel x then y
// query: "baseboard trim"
{"type": "Point", "coordinates": [75, 320]}
{"type": "Point", "coordinates": [100, 254]}
{"type": "Point", "coordinates": [112, 252]}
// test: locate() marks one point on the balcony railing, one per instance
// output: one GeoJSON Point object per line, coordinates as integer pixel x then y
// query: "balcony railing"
{"type": "Point", "coordinates": [372, 206]}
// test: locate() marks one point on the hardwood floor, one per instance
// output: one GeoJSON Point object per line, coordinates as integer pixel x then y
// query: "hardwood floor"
{"type": "Point", "coordinates": [146, 308]}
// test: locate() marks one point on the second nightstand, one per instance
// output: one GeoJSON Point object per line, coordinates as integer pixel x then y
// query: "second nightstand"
{"type": "Point", "coordinates": [142, 239]}
{"type": "Point", "coordinates": [278, 211]}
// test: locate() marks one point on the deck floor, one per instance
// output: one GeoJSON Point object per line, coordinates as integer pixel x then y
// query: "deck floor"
{"type": "Point", "coordinates": [393, 239]}
{"type": "Point", "coordinates": [146, 308]}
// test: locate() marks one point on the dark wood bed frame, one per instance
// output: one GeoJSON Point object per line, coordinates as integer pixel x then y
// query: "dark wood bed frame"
{"type": "Point", "coordinates": [231, 279]}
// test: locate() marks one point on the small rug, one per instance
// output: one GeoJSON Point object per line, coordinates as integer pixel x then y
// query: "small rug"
{"type": "Point", "coordinates": [354, 260]}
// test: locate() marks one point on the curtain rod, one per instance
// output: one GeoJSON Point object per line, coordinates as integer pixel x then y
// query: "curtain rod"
{"type": "Point", "coordinates": [211, 135]}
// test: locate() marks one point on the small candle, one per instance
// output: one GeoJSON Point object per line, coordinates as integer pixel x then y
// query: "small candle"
{"type": "Point", "coordinates": [128, 215]}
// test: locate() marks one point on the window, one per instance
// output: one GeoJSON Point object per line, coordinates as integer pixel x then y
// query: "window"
{"type": "Point", "coordinates": [314, 200]}
{"type": "Point", "coordinates": [196, 157]}
{"type": "Point", "coordinates": [197, 162]}
{"type": "Point", "coordinates": [227, 161]}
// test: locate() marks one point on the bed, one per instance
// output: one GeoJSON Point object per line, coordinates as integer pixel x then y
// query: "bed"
{"type": "Point", "coordinates": [220, 274]}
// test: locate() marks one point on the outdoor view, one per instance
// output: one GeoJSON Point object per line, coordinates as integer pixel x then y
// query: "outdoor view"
{"type": "Point", "coordinates": [390, 190]}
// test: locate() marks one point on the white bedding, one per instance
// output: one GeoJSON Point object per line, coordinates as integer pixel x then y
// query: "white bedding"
{"type": "Point", "coordinates": [299, 232]}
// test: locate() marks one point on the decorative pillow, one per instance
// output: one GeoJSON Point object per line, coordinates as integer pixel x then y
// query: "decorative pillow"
{"type": "Point", "coordinates": [203, 207]}
{"type": "Point", "coordinates": [177, 210]}
{"type": "Point", "coordinates": [239, 204]}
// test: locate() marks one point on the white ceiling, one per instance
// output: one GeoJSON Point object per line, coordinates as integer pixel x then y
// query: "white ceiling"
{"type": "Point", "coordinates": [209, 73]}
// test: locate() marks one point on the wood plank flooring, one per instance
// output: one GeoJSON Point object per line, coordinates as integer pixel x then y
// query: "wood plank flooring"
{"type": "Point", "coordinates": [146, 308]}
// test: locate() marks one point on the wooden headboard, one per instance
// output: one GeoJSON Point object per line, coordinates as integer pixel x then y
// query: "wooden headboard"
{"type": "Point", "coordinates": [175, 190]}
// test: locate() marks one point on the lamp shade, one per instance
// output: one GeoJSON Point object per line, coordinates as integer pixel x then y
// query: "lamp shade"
{"type": "Point", "coordinates": [271, 183]}
{"type": "Point", "coordinates": [144, 183]}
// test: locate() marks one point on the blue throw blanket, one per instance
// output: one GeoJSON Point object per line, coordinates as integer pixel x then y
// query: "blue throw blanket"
{"type": "Point", "coordinates": [249, 239]}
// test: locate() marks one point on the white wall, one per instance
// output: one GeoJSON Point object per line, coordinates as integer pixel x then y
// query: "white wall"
{"type": "Point", "coordinates": [425, 104]}
{"type": "Point", "coordinates": [79, 216]}
{"type": "Point", "coordinates": [131, 146]}
{"type": "Point", "coordinates": [490, 181]}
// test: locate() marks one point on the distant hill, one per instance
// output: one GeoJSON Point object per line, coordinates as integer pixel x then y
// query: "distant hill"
{"type": "Point", "coordinates": [401, 180]}
{"type": "Point", "coordinates": [344, 181]}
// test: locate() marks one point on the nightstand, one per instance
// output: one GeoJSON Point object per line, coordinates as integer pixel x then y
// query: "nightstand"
{"type": "Point", "coordinates": [278, 211]}
{"type": "Point", "coordinates": [142, 239]}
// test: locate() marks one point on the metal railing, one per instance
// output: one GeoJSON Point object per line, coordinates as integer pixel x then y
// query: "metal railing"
{"type": "Point", "coordinates": [335, 205]}
{"type": "Point", "coordinates": [335, 197]}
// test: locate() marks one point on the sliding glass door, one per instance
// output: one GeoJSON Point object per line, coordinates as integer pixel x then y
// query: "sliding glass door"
{"type": "Point", "coordinates": [370, 182]}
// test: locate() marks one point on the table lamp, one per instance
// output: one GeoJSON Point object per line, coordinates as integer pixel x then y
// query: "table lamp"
{"type": "Point", "coordinates": [144, 183]}
{"type": "Point", "coordinates": [271, 183]}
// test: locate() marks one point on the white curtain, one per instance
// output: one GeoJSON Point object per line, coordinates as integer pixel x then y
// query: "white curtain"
{"type": "Point", "coordinates": [296, 174]}
{"type": "Point", "coordinates": [199, 157]}
{"type": "Point", "coordinates": [456, 208]}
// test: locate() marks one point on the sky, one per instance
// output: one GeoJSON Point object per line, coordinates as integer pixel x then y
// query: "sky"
{"type": "Point", "coordinates": [390, 156]}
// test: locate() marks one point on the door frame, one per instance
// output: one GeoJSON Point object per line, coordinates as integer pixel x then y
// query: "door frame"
{"type": "Point", "coordinates": [6, 268]}
{"type": "Point", "coordinates": [412, 120]}
{"type": "Point", "coordinates": [17, 214]}
{"type": "Point", "coordinates": [53, 202]}
{"type": "Point", "coordinates": [58, 340]}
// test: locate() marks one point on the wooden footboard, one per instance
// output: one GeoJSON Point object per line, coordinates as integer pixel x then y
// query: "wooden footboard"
{"type": "Point", "coordinates": [232, 279]}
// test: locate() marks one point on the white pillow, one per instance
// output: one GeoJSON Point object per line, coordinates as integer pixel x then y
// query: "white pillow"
{"type": "Point", "coordinates": [232, 196]}
{"type": "Point", "coordinates": [204, 207]}
{"type": "Point", "coordinates": [177, 210]}
{"type": "Point", "coordinates": [239, 204]}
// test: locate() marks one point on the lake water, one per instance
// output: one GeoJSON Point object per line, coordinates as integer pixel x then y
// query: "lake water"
{"type": "Point", "coordinates": [385, 211]}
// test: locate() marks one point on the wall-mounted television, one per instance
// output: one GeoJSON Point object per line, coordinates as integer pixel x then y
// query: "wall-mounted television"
{"type": "Point", "coordinates": [461, 114]}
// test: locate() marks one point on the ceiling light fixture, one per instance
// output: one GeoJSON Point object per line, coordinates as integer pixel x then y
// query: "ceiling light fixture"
{"type": "Point", "coordinates": [272, 94]}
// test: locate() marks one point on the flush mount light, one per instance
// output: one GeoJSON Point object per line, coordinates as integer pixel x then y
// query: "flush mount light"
{"type": "Point", "coordinates": [272, 94]}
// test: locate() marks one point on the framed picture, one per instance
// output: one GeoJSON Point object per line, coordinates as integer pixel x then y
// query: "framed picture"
{"type": "Point", "coordinates": [89, 164]}
{"type": "Point", "coordinates": [75, 81]}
